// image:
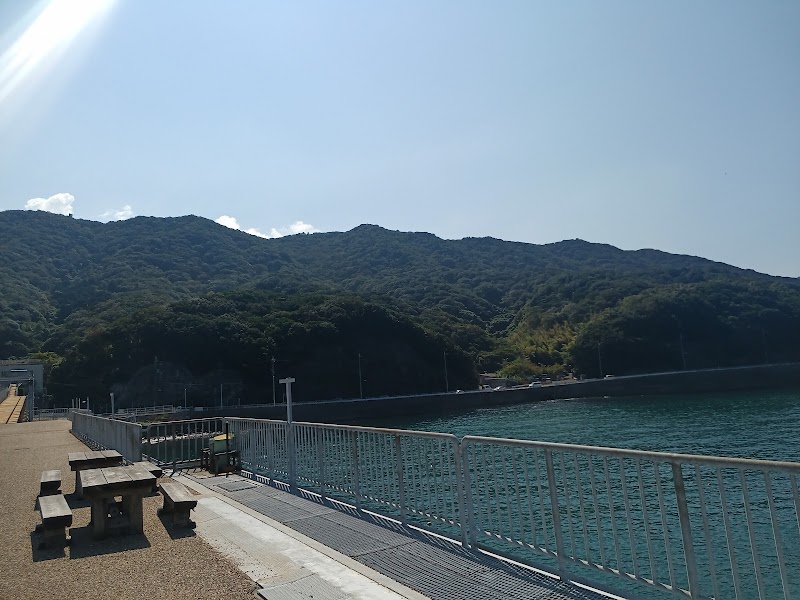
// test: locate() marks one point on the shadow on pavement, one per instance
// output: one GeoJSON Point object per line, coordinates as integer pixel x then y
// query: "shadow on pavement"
{"type": "Point", "coordinates": [175, 532]}
{"type": "Point", "coordinates": [83, 545]}
{"type": "Point", "coordinates": [48, 552]}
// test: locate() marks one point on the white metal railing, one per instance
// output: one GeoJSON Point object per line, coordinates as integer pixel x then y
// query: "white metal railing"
{"type": "Point", "coordinates": [639, 523]}
{"type": "Point", "coordinates": [148, 410]}
{"type": "Point", "coordinates": [409, 475]}
{"type": "Point", "coordinates": [53, 413]}
{"type": "Point", "coordinates": [692, 526]}
{"type": "Point", "coordinates": [179, 443]}
{"type": "Point", "coordinates": [124, 437]}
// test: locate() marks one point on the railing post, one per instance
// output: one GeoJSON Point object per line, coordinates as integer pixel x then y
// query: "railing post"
{"type": "Point", "coordinates": [149, 446]}
{"type": "Point", "coordinates": [291, 457]}
{"type": "Point", "coordinates": [401, 487]}
{"type": "Point", "coordinates": [356, 468]}
{"type": "Point", "coordinates": [174, 449]}
{"type": "Point", "coordinates": [319, 443]}
{"type": "Point", "coordinates": [464, 501]}
{"type": "Point", "coordinates": [686, 530]}
{"type": "Point", "coordinates": [551, 483]}
{"type": "Point", "coordinates": [270, 450]}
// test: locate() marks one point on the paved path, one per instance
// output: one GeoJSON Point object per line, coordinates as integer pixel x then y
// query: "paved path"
{"type": "Point", "coordinates": [162, 563]}
{"type": "Point", "coordinates": [436, 568]}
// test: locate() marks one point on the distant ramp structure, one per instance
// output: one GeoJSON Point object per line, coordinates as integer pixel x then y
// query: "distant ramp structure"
{"type": "Point", "coordinates": [11, 407]}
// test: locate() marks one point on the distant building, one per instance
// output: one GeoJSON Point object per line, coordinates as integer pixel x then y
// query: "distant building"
{"type": "Point", "coordinates": [19, 371]}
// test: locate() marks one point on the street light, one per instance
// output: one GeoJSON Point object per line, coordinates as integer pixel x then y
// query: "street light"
{"type": "Point", "coordinates": [288, 382]}
{"type": "Point", "coordinates": [599, 360]}
{"type": "Point", "coordinates": [273, 381]}
{"type": "Point", "coordinates": [446, 382]}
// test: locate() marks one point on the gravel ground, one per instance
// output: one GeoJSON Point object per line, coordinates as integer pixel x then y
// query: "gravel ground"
{"type": "Point", "coordinates": [162, 563]}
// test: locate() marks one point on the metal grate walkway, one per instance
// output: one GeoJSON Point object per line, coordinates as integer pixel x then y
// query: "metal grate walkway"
{"type": "Point", "coordinates": [437, 568]}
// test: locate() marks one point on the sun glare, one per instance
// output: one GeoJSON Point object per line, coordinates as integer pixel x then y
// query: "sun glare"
{"type": "Point", "coordinates": [48, 37]}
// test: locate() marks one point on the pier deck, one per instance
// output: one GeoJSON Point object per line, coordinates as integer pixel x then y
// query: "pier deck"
{"type": "Point", "coordinates": [435, 567]}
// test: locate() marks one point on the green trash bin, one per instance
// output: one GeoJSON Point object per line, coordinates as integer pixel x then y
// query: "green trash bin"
{"type": "Point", "coordinates": [218, 446]}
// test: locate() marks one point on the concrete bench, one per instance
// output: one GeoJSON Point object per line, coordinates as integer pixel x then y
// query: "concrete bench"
{"type": "Point", "coordinates": [56, 518]}
{"type": "Point", "coordinates": [155, 470]}
{"type": "Point", "coordinates": [50, 483]}
{"type": "Point", "coordinates": [178, 501]}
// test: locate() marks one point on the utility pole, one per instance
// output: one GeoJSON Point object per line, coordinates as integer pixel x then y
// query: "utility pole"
{"type": "Point", "coordinates": [220, 395]}
{"type": "Point", "coordinates": [112, 404]}
{"type": "Point", "coordinates": [273, 381]}
{"type": "Point", "coordinates": [184, 398]}
{"type": "Point", "coordinates": [360, 387]}
{"type": "Point", "coordinates": [599, 360]}
{"type": "Point", "coordinates": [446, 382]}
{"type": "Point", "coordinates": [683, 353]}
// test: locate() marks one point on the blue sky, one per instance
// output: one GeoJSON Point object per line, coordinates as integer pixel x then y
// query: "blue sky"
{"type": "Point", "coordinates": [672, 125]}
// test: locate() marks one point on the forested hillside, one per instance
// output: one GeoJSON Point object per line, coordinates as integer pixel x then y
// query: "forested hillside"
{"type": "Point", "coordinates": [69, 286]}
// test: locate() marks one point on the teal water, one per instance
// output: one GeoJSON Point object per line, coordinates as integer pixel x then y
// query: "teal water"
{"type": "Point", "coordinates": [763, 425]}
{"type": "Point", "coordinates": [759, 425]}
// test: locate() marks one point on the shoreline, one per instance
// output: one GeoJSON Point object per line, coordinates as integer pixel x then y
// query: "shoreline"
{"type": "Point", "coordinates": [755, 377]}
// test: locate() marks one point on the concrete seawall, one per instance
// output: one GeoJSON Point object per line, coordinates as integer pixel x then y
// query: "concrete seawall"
{"type": "Point", "coordinates": [680, 382]}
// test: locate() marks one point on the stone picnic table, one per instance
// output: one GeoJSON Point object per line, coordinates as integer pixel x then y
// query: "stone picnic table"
{"type": "Point", "coordinates": [102, 486]}
{"type": "Point", "coordinates": [94, 459]}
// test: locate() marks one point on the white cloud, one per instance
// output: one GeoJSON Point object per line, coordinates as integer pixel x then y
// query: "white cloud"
{"type": "Point", "coordinates": [228, 222]}
{"type": "Point", "coordinates": [126, 212]}
{"type": "Point", "coordinates": [296, 227]}
{"type": "Point", "coordinates": [300, 227]}
{"type": "Point", "coordinates": [61, 204]}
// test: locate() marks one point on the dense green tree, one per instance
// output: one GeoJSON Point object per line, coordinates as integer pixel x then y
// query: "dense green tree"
{"type": "Point", "coordinates": [518, 308]}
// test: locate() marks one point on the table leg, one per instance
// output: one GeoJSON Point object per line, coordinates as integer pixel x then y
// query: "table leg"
{"type": "Point", "coordinates": [78, 485]}
{"type": "Point", "coordinates": [99, 517]}
{"type": "Point", "coordinates": [132, 507]}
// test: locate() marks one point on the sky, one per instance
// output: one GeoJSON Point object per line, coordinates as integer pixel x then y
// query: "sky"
{"type": "Point", "coordinates": [671, 125]}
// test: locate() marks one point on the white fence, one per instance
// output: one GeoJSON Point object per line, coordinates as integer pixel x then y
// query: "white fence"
{"type": "Point", "coordinates": [112, 434]}
{"type": "Point", "coordinates": [55, 413]}
{"type": "Point", "coordinates": [640, 523]}
{"type": "Point", "coordinates": [148, 410]}
{"type": "Point", "coordinates": [179, 443]}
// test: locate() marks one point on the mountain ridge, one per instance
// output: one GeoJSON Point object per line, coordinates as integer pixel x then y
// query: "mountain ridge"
{"type": "Point", "coordinates": [515, 306]}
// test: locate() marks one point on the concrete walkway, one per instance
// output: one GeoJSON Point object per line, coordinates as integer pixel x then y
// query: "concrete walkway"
{"type": "Point", "coordinates": [418, 564]}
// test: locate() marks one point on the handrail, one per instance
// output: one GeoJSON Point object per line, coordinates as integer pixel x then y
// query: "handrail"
{"type": "Point", "coordinates": [179, 443]}
{"type": "Point", "coordinates": [698, 459]}
{"type": "Point", "coordinates": [638, 522]}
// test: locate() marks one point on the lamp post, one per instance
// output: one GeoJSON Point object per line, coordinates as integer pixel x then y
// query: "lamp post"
{"type": "Point", "coordinates": [288, 382]}
{"type": "Point", "coordinates": [599, 360]}
{"type": "Point", "coordinates": [446, 382]}
{"type": "Point", "coordinates": [273, 381]}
